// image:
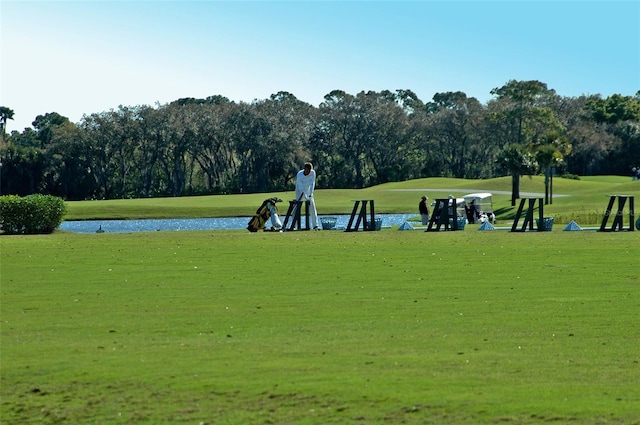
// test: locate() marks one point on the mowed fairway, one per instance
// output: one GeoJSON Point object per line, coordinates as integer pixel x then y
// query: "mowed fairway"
{"type": "Point", "coordinates": [230, 327]}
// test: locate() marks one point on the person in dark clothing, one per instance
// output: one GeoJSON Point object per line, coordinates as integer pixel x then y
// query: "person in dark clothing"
{"type": "Point", "coordinates": [424, 210]}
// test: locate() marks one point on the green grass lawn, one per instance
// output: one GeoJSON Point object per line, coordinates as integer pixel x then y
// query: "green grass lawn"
{"type": "Point", "coordinates": [232, 327]}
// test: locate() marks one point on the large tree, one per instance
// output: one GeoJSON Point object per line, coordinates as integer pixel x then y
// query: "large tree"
{"type": "Point", "coordinates": [523, 116]}
{"type": "Point", "coordinates": [214, 149]}
{"type": "Point", "coordinates": [176, 158]}
{"type": "Point", "coordinates": [154, 129]}
{"type": "Point", "coordinates": [455, 132]}
{"type": "Point", "coordinates": [45, 125]}
{"type": "Point", "coordinates": [290, 122]}
{"type": "Point", "coordinates": [69, 164]}
{"type": "Point", "coordinates": [517, 160]}
{"type": "Point", "coordinates": [619, 116]}
{"type": "Point", "coordinates": [251, 136]}
{"type": "Point", "coordinates": [525, 111]}
{"type": "Point", "coordinates": [385, 141]}
{"type": "Point", "coordinates": [22, 169]}
{"type": "Point", "coordinates": [341, 135]}
{"type": "Point", "coordinates": [589, 145]}
{"type": "Point", "coordinates": [97, 129]}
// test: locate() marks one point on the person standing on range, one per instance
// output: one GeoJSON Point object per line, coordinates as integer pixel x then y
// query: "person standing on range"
{"type": "Point", "coordinates": [424, 210]}
{"type": "Point", "coordinates": [305, 185]}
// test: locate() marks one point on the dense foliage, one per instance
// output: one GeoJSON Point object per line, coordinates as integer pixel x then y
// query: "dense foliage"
{"type": "Point", "coordinates": [33, 214]}
{"type": "Point", "coordinates": [214, 145]}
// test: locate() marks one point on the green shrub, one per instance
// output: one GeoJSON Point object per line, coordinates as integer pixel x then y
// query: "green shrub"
{"type": "Point", "coordinates": [569, 176]}
{"type": "Point", "coordinates": [32, 214]}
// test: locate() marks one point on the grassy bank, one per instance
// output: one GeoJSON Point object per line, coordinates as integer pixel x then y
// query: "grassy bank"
{"type": "Point", "coordinates": [581, 200]}
{"type": "Point", "coordinates": [230, 327]}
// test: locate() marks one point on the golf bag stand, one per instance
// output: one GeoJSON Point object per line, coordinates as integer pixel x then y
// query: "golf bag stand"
{"type": "Point", "coordinates": [294, 214]}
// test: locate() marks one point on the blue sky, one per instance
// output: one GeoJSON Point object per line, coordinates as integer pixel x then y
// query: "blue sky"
{"type": "Point", "coordinates": [83, 57]}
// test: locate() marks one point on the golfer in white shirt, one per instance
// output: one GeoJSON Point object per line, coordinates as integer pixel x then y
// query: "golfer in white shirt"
{"type": "Point", "coordinates": [305, 184]}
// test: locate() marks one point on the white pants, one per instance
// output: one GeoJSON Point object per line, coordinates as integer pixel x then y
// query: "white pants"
{"type": "Point", "coordinates": [313, 213]}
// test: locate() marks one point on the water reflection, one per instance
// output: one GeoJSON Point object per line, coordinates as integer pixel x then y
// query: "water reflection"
{"type": "Point", "coordinates": [220, 223]}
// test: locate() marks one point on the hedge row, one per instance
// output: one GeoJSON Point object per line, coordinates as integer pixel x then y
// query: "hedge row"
{"type": "Point", "coordinates": [34, 214]}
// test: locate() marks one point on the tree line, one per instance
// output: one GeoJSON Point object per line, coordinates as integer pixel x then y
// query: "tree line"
{"type": "Point", "coordinates": [214, 145]}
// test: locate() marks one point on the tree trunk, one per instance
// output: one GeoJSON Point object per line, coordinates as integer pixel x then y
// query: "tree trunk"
{"type": "Point", "coordinates": [547, 172]}
{"type": "Point", "coordinates": [515, 188]}
{"type": "Point", "coordinates": [553, 171]}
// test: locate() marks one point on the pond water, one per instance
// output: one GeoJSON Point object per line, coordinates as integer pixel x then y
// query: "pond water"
{"type": "Point", "coordinates": [221, 223]}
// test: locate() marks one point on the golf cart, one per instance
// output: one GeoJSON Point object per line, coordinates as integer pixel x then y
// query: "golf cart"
{"type": "Point", "coordinates": [447, 205]}
{"type": "Point", "coordinates": [477, 208]}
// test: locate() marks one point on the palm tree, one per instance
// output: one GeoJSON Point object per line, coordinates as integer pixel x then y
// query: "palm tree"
{"type": "Point", "coordinates": [5, 114]}
{"type": "Point", "coordinates": [549, 153]}
{"type": "Point", "coordinates": [517, 160]}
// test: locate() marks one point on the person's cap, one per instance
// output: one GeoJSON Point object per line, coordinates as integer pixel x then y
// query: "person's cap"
{"type": "Point", "coordinates": [424, 198]}
{"type": "Point", "coordinates": [450, 196]}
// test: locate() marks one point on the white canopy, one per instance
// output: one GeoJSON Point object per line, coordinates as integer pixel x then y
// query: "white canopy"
{"type": "Point", "coordinates": [480, 195]}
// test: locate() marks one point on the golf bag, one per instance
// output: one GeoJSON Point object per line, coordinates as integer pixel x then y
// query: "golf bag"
{"type": "Point", "coordinates": [263, 214]}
